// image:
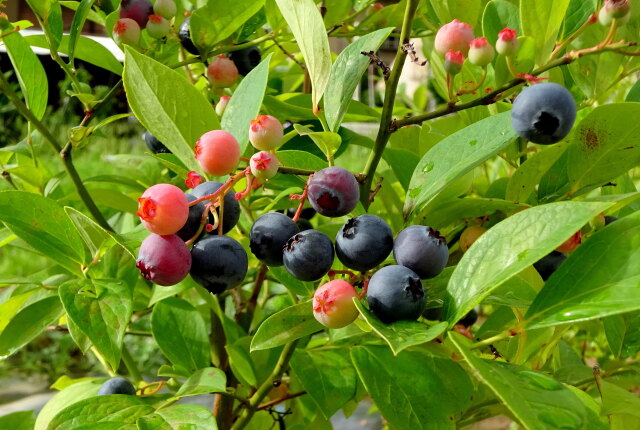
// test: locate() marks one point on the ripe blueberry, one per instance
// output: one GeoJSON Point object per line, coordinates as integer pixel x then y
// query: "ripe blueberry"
{"type": "Point", "coordinates": [264, 165]}
{"type": "Point", "coordinates": [333, 305]}
{"type": "Point", "coordinates": [246, 59]}
{"type": "Point", "coordinates": [549, 264]}
{"type": "Point", "coordinates": [543, 113]}
{"type": "Point", "coordinates": [455, 36]}
{"type": "Point", "coordinates": [395, 293]}
{"type": "Point", "coordinates": [116, 386]}
{"type": "Point", "coordinates": [137, 10]}
{"type": "Point", "coordinates": [158, 27]}
{"type": "Point", "coordinates": [154, 144]}
{"type": "Point", "coordinates": [164, 260]}
{"type": "Point", "coordinates": [469, 319]}
{"type": "Point", "coordinates": [222, 73]}
{"type": "Point", "coordinates": [165, 8]}
{"type": "Point", "coordinates": [126, 32]}
{"type": "Point", "coordinates": [184, 34]}
{"type": "Point", "coordinates": [364, 242]}
{"type": "Point", "coordinates": [608, 219]}
{"type": "Point", "coordinates": [308, 255]}
{"type": "Point", "coordinates": [219, 263]}
{"type": "Point", "coordinates": [218, 152]}
{"type": "Point", "coordinates": [163, 209]}
{"type": "Point", "coordinates": [269, 234]}
{"type": "Point", "coordinates": [470, 235]}
{"type": "Point", "coordinates": [231, 212]}
{"type": "Point", "coordinates": [421, 249]}
{"type": "Point", "coordinates": [191, 227]}
{"type": "Point", "coordinates": [265, 132]}
{"type": "Point", "coordinates": [333, 192]}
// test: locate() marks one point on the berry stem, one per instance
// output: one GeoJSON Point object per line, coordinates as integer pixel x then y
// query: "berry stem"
{"type": "Point", "coordinates": [591, 20]}
{"type": "Point", "coordinates": [224, 188]}
{"type": "Point", "coordinates": [511, 67]}
{"type": "Point", "coordinates": [302, 198]}
{"type": "Point", "coordinates": [478, 85]}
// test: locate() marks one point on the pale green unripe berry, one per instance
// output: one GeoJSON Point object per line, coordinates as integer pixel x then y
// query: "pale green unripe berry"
{"type": "Point", "coordinates": [264, 165]}
{"type": "Point", "coordinates": [480, 52]}
{"type": "Point", "coordinates": [165, 8]}
{"type": "Point", "coordinates": [507, 43]}
{"type": "Point", "coordinates": [453, 62]}
{"type": "Point", "coordinates": [222, 105]}
{"type": "Point", "coordinates": [126, 32]}
{"type": "Point", "coordinates": [158, 27]}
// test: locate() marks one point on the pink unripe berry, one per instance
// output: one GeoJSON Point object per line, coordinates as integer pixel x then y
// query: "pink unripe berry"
{"type": "Point", "coordinates": [222, 104]}
{"type": "Point", "coordinates": [507, 43]}
{"type": "Point", "coordinates": [454, 36]}
{"type": "Point", "coordinates": [453, 62]}
{"type": "Point", "coordinates": [218, 152]}
{"type": "Point", "coordinates": [165, 8]}
{"type": "Point", "coordinates": [222, 72]}
{"type": "Point", "coordinates": [266, 132]}
{"type": "Point", "coordinates": [158, 27]}
{"type": "Point", "coordinates": [126, 32]}
{"type": "Point", "coordinates": [164, 260]}
{"type": "Point", "coordinates": [480, 52]}
{"type": "Point", "coordinates": [264, 165]}
{"type": "Point", "coordinates": [163, 209]}
{"type": "Point", "coordinates": [333, 305]}
{"type": "Point", "coordinates": [137, 10]}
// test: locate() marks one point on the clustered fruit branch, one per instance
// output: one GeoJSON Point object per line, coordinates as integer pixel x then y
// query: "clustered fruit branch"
{"type": "Point", "coordinates": [389, 99]}
{"type": "Point", "coordinates": [255, 400]}
{"type": "Point", "coordinates": [495, 95]}
{"type": "Point", "coordinates": [65, 156]}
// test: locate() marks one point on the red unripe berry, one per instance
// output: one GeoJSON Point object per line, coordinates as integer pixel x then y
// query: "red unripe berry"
{"type": "Point", "coordinates": [222, 105]}
{"type": "Point", "coordinates": [158, 27]}
{"type": "Point", "coordinates": [126, 32]}
{"type": "Point", "coordinates": [571, 244]}
{"type": "Point", "coordinates": [264, 165]}
{"type": "Point", "coordinates": [266, 132]}
{"type": "Point", "coordinates": [480, 52]}
{"type": "Point", "coordinates": [222, 73]}
{"type": "Point", "coordinates": [507, 43]}
{"type": "Point", "coordinates": [454, 36]}
{"type": "Point", "coordinates": [218, 152]}
{"type": "Point", "coordinates": [469, 236]}
{"type": "Point", "coordinates": [453, 62]}
{"type": "Point", "coordinates": [163, 209]}
{"type": "Point", "coordinates": [137, 10]}
{"type": "Point", "coordinates": [333, 305]}
{"type": "Point", "coordinates": [164, 260]}
{"type": "Point", "coordinates": [165, 8]}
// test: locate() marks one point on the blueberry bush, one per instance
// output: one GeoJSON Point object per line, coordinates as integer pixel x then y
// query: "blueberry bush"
{"type": "Point", "coordinates": [476, 255]}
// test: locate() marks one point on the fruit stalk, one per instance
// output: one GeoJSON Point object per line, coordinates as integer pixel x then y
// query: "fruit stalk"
{"type": "Point", "coordinates": [387, 109]}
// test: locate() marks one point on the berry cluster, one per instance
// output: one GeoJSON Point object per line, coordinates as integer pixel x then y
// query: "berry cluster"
{"type": "Point", "coordinates": [136, 15]}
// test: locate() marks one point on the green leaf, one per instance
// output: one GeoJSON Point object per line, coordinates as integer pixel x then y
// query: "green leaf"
{"type": "Point", "coordinates": [29, 323]}
{"type": "Point", "coordinates": [240, 361]}
{"type": "Point", "coordinates": [541, 20]}
{"type": "Point", "coordinates": [327, 141]}
{"type": "Point", "coordinates": [509, 247]}
{"type": "Point", "coordinates": [101, 309]}
{"type": "Point", "coordinates": [403, 163]}
{"type": "Point", "coordinates": [301, 288]}
{"type": "Point", "coordinates": [448, 211]}
{"type": "Point", "coordinates": [92, 16]}
{"type": "Point", "coordinates": [68, 396]}
{"type": "Point", "coordinates": [245, 103]}
{"type": "Point", "coordinates": [454, 156]}
{"type": "Point", "coordinates": [167, 105]}
{"type": "Point", "coordinates": [94, 236]}
{"type": "Point", "coordinates": [617, 400]}
{"type": "Point", "coordinates": [181, 334]}
{"type": "Point", "coordinates": [601, 277]}
{"type": "Point", "coordinates": [18, 421]}
{"type": "Point", "coordinates": [401, 334]}
{"type": "Point", "coordinates": [578, 13]}
{"type": "Point", "coordinates": [536, 400]}
{"type": "Point", "coordinates": [606, 145]}
{"type": "Point", "coordinates": [413, 390]}
{"type": "Point", "coordinates": [524, 181]}
{"type": "Point", "coordinates": [184, 416]}
{"type": "Point", "coordinates": [86, 50]}
{"type": "Point", "coordinates": [301, 160]}
{"type": "Point", "coordinates": [218, 20]}
{"type": "Point", "coordinates": [282, 327]}
{"type": "Point", "coordinates": [29, 71]}
{"type": "Point", "coordinates": [328, 376]}
{"type": "Point", "coordinates": [115, 411]}
{"type": "Point", "coordinates": [346, 73]}
{"type": "Point", "coordinates": [623, 334]}
{"type": "Point", "coordinates": [305, 21]}
{"type": "Point", "coordinates": [40, 7]}
{"type": "Point", "coordinates": [76, 26]}
{"type": "Point", "coordinates": [11, 307]}
{"type": "Point", "coordinates": [498, 15]}
{"type": "Point", "coordinates": [203, 381]}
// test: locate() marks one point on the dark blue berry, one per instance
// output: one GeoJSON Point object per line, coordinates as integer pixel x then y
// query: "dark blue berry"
{"type": "Point", "coordinates": [549, 264]}
{"type": "Point", "coordinates": [609, 219]}
{"type": "Point", "coordinates": [308, 255]}
{"type": "Point", "coordinates": [268, 236]}
{"type": "Point", "coordinates": [421, 249]}
{"type": "Point", "coordinates": [246, 59]}
{"type": "Point", "coordinates": [154, 144]}
{"type": "Point", "coordinates": [184, 34]}
{"type": "Point", "coordinates": [117, 386]}
{"type": "Point", "coordinates": [231, 205]}
{"type": "Point", "coordinates": [469, 319]}
{"type": "Point", "coordinates": [218, 263]}
{"type": "Point", "coordinates": [192, 225]}
{"type": "Point", "coordinates": [395, 293]}
{"type": "Point", "coordinates": [544, 113]}
{"type": "Point", "coordinates": [364, 242]}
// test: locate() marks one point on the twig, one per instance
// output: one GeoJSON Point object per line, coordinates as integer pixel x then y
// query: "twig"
{"type": "Point", "coordinates": [386, 71]}
{"type": "Point", "coordinates": [410, 50]}
{"type": "Point", "coordinates": [268, 404]}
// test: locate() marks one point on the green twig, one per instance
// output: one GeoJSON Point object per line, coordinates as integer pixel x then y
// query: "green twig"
{"type": "Point", "coordinates": [130, 364]}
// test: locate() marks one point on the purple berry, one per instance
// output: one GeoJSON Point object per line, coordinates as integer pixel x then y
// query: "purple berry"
{"type": "Point", "coordinates": [137, 10]}
{"type": "Point", "coordinates": [164, 260]}
{"type": "Point", "coordinates": [333, 192]}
